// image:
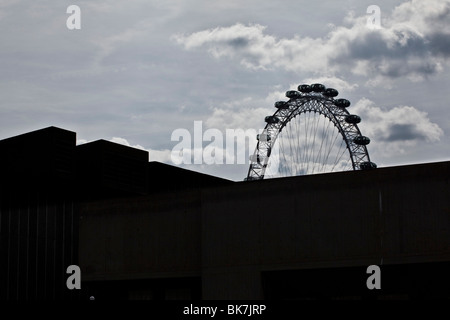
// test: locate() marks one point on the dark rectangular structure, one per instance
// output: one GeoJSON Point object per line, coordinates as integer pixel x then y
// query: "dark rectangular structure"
{"type": "Point", "coordinates": [107, 169]}
{"type": "Point", "coordinates": [38, 159]}
{"type": "Point", "coordinates": [45, 179]}
{"type": "Point", "coordinates": [261, 239]}
{"type": "Point", "coordinates": [164, 178]}
{"type": "Point", "coordinates": [38, 214]}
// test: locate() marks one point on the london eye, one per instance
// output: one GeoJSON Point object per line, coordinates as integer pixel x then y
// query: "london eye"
{"type": "Point", "coordinates": [312, 132]}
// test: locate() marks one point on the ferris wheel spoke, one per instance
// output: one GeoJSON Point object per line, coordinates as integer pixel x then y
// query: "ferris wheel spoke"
{"type": "Point", "coordinates": [324, 134]}
{"type": "Point", "coordinates": [306, 147]}
{"type": "Point", "coordinates": [338, 159]}
{"type": "Point", "coordinates": [319, 152]}
{"type": "Point", "coordinates": [330, 149]}
{"type": "Point", "coordinates": [315, 126]}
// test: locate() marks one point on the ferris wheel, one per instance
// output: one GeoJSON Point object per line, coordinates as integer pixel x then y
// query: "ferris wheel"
{"type": "Point", "coordinates": [310, 133]}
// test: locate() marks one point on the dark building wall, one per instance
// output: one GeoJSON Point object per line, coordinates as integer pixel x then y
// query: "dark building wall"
{"type": "Point", "coordinates": [38, 159]}
{"type": "Point", "coordinates": [39, 240]}
{"type": "Point", "coordinates": [234, 235]}
{"type": "Point", "coordinates": [387, 216]}
{"type": "Point", "coordinates": [38, 215]}
{"type": "Point", "coordinates": [44, 177]}
{"type": "Point", "coordinates": [141, 237]}
{"type": "Point", "coordinates": [142, 247]}
{"type": "Point", "coordinates": [163, 178]}
{"type": "Point", "coordinates": [106, 169]}
{"type": "Point", "coordinates": [406, 281]}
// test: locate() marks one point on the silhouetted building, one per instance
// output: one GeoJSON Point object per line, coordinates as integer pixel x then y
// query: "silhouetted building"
{"type": "Point", "coordinates": [38, 215]}
{"type": "Point", "coordinates": [107, 169]}
{"type": "Point", "coordinates": [147, 230]}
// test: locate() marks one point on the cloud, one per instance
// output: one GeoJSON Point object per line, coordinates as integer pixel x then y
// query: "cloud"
{"type": "Point", "coordinates": [253, 48]}
{"type": "Point", "coordinates": [81, 141]}
{"type": "Point", "coordinates": [246, 113]}
{"type": "Point", "coordinates": [126, 143]}
{"type": "Point", "coordinates": [396, 130]}
{"type": "Point", "coordinates": [160, 155]}
{"type": "Point", "coordinates": [413, 42]}
{"type": "Point", "coordinates": [403, 132]}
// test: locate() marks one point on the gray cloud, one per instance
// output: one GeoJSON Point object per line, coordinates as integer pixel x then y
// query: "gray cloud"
{"type": "Point", "coordinates": [440, 43]}
{"type": "Point", "coordinates": [403, 132]}
{"type": "Point", "coordinates": [239, 42]}
{"type": "Point", "coordinates": [407, 45]}
{"type": "Point", "coordinates": [396, 131]}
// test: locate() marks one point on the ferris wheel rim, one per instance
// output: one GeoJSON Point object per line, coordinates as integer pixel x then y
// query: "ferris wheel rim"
{"type": "Point", "coordinates": [335, 110]}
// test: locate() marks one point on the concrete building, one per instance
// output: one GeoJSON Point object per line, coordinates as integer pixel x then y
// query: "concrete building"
{"type": "Point", "coordinates": [151, 231]}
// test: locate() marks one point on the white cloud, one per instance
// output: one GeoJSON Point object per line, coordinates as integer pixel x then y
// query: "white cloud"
{"type": "Point", "coordinates": [414, 42]}
{"type": "Point", "coordinates": [333, 82]}
{"type": "Point", "coordinates": [126, 143]}
{"type": "Point", "coordinates": [160, 155]}
{"type": "Point", "coordinates": [246, 113]}
{"type": "Point", "coordinates": [397, 130]}
{"type": "Point", "coordinates": [256, 50]}
{"type": "Point", "coordinates": [81, 141]}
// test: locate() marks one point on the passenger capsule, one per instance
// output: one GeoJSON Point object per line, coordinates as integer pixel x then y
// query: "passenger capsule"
{"type": "Point", "coordinates": [305, 88]}
{"type": "Point", "coordinates": [272, 119]}
{"type": "Point", "coordinates": [330, 92]}
{"type": "Point", "coordinates": [292, 94]}
{"type": "Point", "coordinates": [342, 103]}
{"type": "Point", "coordinates": [281, 105]}
{"type": "Point", "coordinates": [361, 140]}
{"type": "Point", "coordinates": [352, 119]}
{"type": "Point", "coordinates": [367, 165]}
{"type": "Point", "coordinates": [318, 87]}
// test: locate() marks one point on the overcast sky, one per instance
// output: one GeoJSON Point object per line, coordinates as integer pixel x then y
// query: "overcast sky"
{"type": "Point", "coordinates": [138, 70]}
